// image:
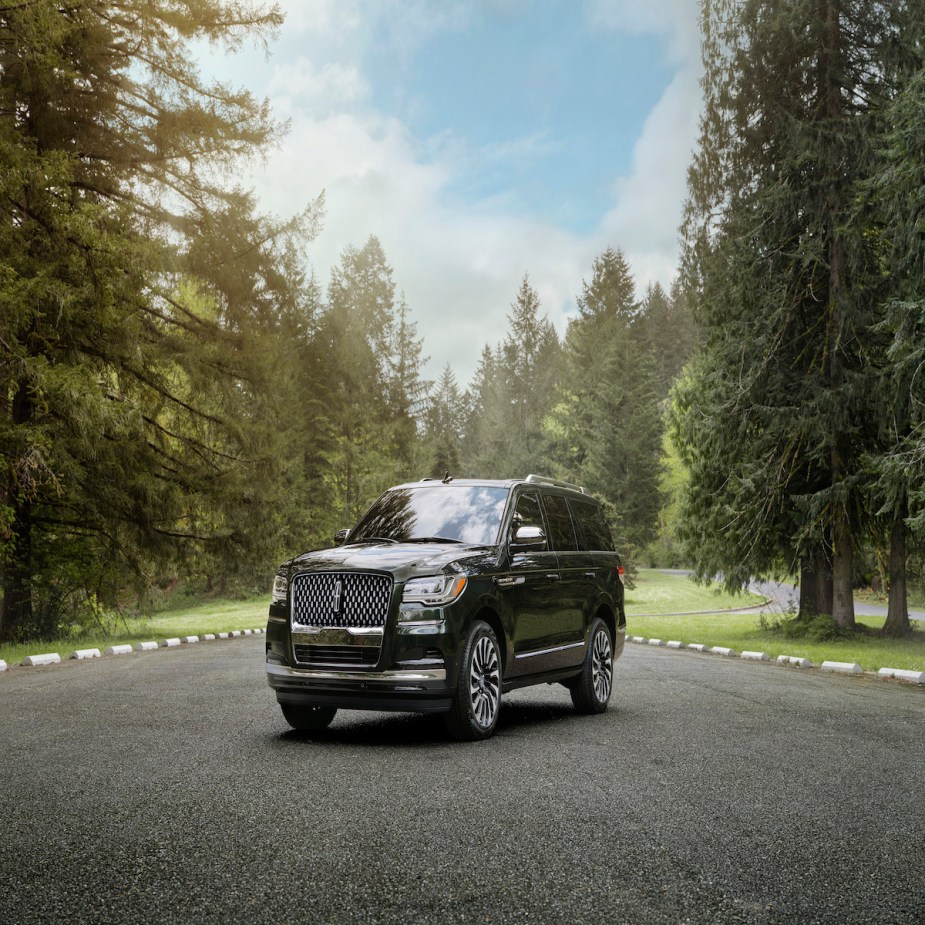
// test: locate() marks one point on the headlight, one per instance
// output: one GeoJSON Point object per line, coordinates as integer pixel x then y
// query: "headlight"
{"type": "Point", "coordinates": [440, 589]}
{"type": "Point", "coordinates": [280, 587]}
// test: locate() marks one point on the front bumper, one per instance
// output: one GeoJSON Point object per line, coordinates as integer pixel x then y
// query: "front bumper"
{"type": "Point", "coordinates": [418, 690]}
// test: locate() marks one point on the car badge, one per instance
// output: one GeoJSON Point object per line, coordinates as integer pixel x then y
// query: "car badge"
{"type": "Point", "coordinates": [337, 598]}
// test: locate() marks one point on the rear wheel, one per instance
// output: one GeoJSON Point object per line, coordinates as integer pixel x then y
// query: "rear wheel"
{"type": "Point", "coordinates": [308, 719]}
{"type": "Point", "coordinates": [591, 689]}
{"type": "Point", "coordinates": [477, 702]}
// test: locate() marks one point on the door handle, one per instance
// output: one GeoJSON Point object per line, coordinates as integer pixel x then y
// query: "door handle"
{"type": "Point", "coordinates": [591, 576]}
{"type": "Point", "coordinates": [510, 581]}
{"type": "Point", "coordinates": [552, 576]}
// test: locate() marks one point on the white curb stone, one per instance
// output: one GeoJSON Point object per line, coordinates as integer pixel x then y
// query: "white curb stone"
{"type": "Point", "coordinates": [656, 642]}
{"type": "Point", "coordinates": [697, 646]}
{"type": "Point", "coordinates": [49, 658]}
{"type": "Point", "coordinates": [722, 650]}
{"type": "Point", "coordinates": [794, 660]}
{"type": "Point", "coordinates": [901, 674]}
{"type": "Point", "coordinates": [2, 665]}
{"type": "Point", "coordinates": [235, 634]}
{"type": "Point", "coordinates": [248, 632]}
{"type": "Point", "coordinates": [223, 636]}
{"type": "Point", "coordinates": [119, 650]}
{"type": "Point", "coordinates": [674, 644]}
{"type": "Point", "coordinates": [258, 631]}
{"type": "Point", "coordinates": [209, 637]}
{"type": "Point", "coordinates": [189, 640]}
{"type": "Point", "coordinates": [640, 640]}
{"type": "Point", "coordinates": [145, 646]}
{"type": "Point", "coordinates": [170, 643]}
{"type": "Point", "coordinates": [843, 667]}
{"type": "Point", "coordinates": [755, 656]}
{"type": "Point", "coordinates": [85, 653]}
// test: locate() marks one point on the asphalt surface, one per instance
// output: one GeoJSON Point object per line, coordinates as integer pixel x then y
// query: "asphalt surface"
{"type": "Point", "coordinates": [165, 787]}
{"type": "Point", "coordinates": [783, 595]}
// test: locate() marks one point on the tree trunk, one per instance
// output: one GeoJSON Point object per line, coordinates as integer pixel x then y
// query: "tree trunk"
{"type": "Point", "coordinates": [831, 94]}
{"type": "Point", "coordinates": [897, 617]}
{"type": "Point", "coordinates": [16, 613]}
{"type": "Point", "coordinates": [825, 591]}
{"type": "Point", "coordinates": [843, 571]}
{"type": "Point", "coordinates": [809, 588]}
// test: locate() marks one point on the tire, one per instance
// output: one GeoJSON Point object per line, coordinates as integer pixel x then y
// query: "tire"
{"type": "Point", "coordinates": [308, 719]}
{"type": "Point", "coordinates": [591, 689]}
{"type": "Point", "coordinates": [477, 701]}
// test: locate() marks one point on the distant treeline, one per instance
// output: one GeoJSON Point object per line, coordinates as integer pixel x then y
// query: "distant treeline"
{"type": "Point", "coordinates": [182, 400]}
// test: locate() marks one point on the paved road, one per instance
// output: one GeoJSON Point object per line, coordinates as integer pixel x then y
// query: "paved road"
{"type": "Point", "coordinates": [785, 595]}
{"type": "Point", "coordinates": [716, 791]}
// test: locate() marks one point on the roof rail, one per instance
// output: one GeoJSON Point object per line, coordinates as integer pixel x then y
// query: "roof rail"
{"type": "Point", "coordinates": [557, 483]}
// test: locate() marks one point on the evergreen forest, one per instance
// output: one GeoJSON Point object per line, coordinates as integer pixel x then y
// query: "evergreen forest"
{"type": "Point", "coordinates": [185, 403]}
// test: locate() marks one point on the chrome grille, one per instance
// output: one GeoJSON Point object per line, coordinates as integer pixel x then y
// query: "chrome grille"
{"type": "Point", "coordinates": [341, 599]}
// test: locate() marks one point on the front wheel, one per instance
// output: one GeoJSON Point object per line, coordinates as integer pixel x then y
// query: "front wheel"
{"type": "Point", "coordinates": [591, 689]}
{"type": "Point", "coordinates": [307, 719]}
{"type": "Point", "coordinates": [477, 702]}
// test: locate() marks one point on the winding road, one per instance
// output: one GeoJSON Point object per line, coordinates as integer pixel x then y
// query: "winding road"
{"type": "Point", "coordinates": [165, 787]}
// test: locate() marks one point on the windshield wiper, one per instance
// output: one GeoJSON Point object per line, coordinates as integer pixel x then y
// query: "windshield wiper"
{"type": "Point", "coordinates": [373, 539]}
{"type": "Point", "coordinates": [431, 539]}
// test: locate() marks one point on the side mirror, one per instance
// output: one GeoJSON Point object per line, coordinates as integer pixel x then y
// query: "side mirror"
{"type": "Point", "coordinates": [528, 538]}
{"type": "Point", "coordinates": [340, 536]}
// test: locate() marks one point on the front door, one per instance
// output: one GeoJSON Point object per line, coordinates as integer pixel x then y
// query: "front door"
{"type": "Point", "coordinates": [532, 585]}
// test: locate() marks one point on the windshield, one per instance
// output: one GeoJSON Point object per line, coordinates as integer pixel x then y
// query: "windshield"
{"type": "Point", "coordinates": [440, 513]}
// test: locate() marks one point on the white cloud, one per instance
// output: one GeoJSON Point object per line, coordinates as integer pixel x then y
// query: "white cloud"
{"type": "Point", "coordinates": [460, 263]}
{"type": "Point", "coordinates": [324, 17]}
{"type": "Point", "coordinates": [647, 208]}
{"type": "Point", "coordinates": [676, 19]}
{"type": "Point", "coordinates": [299, 85]}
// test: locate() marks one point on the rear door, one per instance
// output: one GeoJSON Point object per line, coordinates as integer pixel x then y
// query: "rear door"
{"type": "Point", "coordinates": [577, 580]}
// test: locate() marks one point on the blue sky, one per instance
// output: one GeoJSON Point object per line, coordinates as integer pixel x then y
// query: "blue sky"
{"type": "Point", "coordinates": [481, 140]}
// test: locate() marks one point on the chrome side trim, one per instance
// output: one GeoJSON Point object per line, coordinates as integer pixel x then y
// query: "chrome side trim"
{"type": "Point", "coordinates": [571, 645]}
{"type": "Point", "coordinates": [284, 672]}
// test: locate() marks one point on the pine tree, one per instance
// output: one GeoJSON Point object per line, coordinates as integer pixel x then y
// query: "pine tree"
{"type": "Point", "coordinates": [444, 422]}
{"type": "Point", "coordinates": [776, 416]}
{"type": "Point", "coordinates": [511, 394]}
{"type": "Point", "coordinates": [109, 141]}
{"type": "Point", "coordinates": [605, 423]}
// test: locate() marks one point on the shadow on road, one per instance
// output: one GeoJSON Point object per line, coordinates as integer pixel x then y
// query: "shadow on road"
{"type": "Point", "coordinates": [415, 729]}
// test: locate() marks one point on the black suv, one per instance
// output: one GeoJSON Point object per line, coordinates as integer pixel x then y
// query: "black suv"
{"type": "Point", "coordinates": [445, 595]}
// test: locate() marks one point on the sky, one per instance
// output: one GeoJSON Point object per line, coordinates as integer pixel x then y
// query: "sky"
{"type": "Point", "coordinates": [481, 140]}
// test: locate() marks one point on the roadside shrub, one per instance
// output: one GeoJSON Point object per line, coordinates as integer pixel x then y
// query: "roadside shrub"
{"type": "Point", "coordinates": [818, 627]}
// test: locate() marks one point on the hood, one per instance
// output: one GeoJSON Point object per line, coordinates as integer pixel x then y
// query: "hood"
{"type": "Point", "coordinates": [403, 560]}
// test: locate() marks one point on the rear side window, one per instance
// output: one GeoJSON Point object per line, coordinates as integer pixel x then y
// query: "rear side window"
{"type": "Point", "coordinates": [561, 529]}
{"type": "Point", "coordinates": [595, 534]}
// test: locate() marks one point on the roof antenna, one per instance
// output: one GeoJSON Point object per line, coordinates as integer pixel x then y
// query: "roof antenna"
{"type": "Point", "coordinates": [447, 478]}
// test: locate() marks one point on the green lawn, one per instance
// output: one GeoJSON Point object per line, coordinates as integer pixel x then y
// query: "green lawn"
{"type": "Point", "coordinates": [193, 620]}
{"type": "Point", "coordinates": [659, 593]}
{"type": "Point", "coordinates": [656, 592]}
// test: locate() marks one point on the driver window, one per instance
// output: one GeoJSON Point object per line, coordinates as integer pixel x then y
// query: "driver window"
{"type": "Point", "coordinates": [528, 514]}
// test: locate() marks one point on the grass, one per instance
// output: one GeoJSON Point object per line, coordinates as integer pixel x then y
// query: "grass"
{"type": "Point", "coordinates": [655, 593]}
{"type": "Point", "coordinates": [915, 597]}
{"type": "Point", "coordinates": [741, 631]}
{"type": "Point", "coordinates": [218, 616]}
